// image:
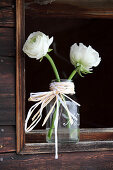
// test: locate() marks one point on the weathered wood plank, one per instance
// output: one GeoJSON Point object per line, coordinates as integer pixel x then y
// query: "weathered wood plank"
{"type": "Point", "coordinates": [20, 73]}
{"type": "Point", "coordinates": [7, 42]}
{"type": "Point", "coordinates": [87, 134]}
{"type": "Point", "coordinates": [7, 91]}
{"type": "Point", "coordinates": [84, 146]}
{"type": "Point", "coordinates": [6, 3]}
{"type": "Point", "coordinates": [90, 140]}
{"type": "Point", "coordinates": [81, 3]}
{"type": "Point", "coordinates": [71, 8]}
{"type": "Point", "coordinates": [7, 138]}
{"type": "Point", "coordinates": [66, 161]}
{"type": "Point", "coordinates": [7, 17]}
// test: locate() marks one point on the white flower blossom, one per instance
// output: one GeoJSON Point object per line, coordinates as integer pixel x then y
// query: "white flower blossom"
{"type": "Point", "coordinates": [37, 45]}
{"type": "Point", "coordinates": [84, 57]}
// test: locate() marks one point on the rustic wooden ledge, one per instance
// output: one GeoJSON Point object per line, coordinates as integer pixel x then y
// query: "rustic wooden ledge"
{"type": "Point", "coordinates": [68, 147]}
{"type": "Point", "coordinates": [90, 140]}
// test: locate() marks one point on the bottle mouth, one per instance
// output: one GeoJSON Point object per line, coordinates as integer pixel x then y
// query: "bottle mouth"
{"type": "Point", "coordinates": [62, 80]}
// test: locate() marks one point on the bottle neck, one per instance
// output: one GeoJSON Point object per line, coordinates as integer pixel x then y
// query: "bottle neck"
{"type": "Point", "coordinates": [63, 87]}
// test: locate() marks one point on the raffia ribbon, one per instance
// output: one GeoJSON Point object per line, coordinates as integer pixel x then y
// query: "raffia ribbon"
{"type": "Point", "coordinates": [58, 91]}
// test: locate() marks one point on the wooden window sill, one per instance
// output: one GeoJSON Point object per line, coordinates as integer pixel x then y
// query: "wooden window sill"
{"type": "Point", "coordinates": [99, 139]}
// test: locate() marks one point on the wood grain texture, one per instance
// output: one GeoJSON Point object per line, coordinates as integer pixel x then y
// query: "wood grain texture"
{"type": "Point", "coordinates": [72, 161]}
{"type": "Point", "coordinates": [20, 74]}
{"type": "Point", "coordinates": [87, 134]}
{"type": "Point", "coordinates": [7, 139]}
{"type": "Point", "coordinates": [68, 147]}
{"type": "Point", "coordinates": [4, 3]}
{"type": "Point", "coordinates": [7, 91]}
{"type": "Point", "coordinates": [71, 8]}
{"type": "Point", "coordinates": [83, 3]}
{"type": "Point", "coordinates": [7, 42]}
{"type": "Point", "coordinates": [90, 140]}
{"type": "Point", "coordinates": [7, 17]}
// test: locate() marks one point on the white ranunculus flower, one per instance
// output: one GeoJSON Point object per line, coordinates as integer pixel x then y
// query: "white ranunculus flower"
{"type": "Point", "coordinates": [37, 45]}
{"type": "Point", "coordinates": [84, 57]}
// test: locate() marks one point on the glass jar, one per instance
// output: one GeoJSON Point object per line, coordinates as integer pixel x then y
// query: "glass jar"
{"type": "Point", "coordinates": [66, 131]}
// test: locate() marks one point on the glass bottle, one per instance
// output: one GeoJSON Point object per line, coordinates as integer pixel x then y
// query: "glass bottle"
{"type": "Point", "coordinates": [66, 131]}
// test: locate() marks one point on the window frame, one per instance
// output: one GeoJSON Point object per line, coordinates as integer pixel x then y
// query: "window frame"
{"type": "Point", "coordinates": [97, 139]}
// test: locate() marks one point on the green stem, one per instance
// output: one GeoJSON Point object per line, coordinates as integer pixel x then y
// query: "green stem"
{"type": "Point", "coordinates": [54, 115]}
{"type": "Point", "coordinates": [73, 74]}
{"type": "Point", "coordinates": [70, 78]}
{"type": "Point", "coordinates": [58, 79]}
{"type": "Point", "coordinates": [53, 66]}
{"type": "Point", "coordinates": [53, 120]}
{"type": "Point", "coordinates": [52, 126]}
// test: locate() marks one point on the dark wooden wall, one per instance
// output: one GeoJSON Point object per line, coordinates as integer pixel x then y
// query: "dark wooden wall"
{"type": "Point", "coordinates": [8, 157]}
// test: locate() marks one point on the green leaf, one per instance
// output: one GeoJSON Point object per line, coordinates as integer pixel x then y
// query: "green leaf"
{"type": "Point", "coordinates": [86, 71]}
{"type": "Point", "coordinates": [41, 59]}
{"type": "Point", "coordinates": [80, 73]}
{"type": "Point", "coordinates": [49, 50]}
